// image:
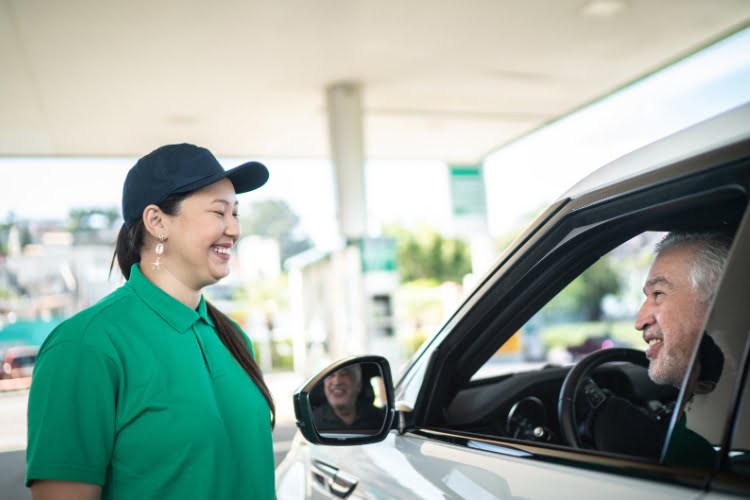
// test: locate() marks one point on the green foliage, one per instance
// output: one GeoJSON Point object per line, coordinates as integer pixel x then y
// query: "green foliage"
{"type": "Point", "coordinates": [282, 357]}
{"type": "Point", "coordinates": [570, 334]}
{"type": "Point", "coordinates": [3, 241]}
{"type": "Point", "coordinates": [282, 354]}
{"type": "Point", "coordinates": [91, 219]}
{"type": "Point", "coordinates": [411, 343]}
{"type": "Point", "coordinates": [23, 233]}
{"type": "Point", "coordinates": [275, 219]}
{"type": "Point", "coordinates": [584, 294]}
{"type": "Point", "coordinates": [426, 254]}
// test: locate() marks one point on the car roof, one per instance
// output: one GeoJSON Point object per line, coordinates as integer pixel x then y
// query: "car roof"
{"type": "Point", "coordinates": [723, 130]}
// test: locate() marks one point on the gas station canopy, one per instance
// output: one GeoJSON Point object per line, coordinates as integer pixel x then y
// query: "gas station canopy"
{"type": "Point", "coordinates": [442, 79]}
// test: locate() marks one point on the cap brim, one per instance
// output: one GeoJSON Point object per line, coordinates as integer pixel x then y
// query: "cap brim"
{"type": "Point", "coordinates": [248, 176]}
{"type": "Point", "coordinates": [244, 178]}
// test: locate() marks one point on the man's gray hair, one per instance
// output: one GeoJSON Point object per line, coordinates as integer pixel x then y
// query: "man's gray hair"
{"type": "Point", "coordinates": [708, 261]}
{"type": "Point", "coordinates": [355, 370]}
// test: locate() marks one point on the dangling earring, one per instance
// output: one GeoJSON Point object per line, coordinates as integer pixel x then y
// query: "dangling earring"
{"type": "Point", "coordinates": [158, 250]}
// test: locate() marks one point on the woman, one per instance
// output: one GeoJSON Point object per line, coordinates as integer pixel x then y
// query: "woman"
{"type": "Point", "coordinates": [152, 392]}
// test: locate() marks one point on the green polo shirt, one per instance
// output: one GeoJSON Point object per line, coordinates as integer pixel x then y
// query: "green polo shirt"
{"type": "Point", "coordinates": [138, 394]}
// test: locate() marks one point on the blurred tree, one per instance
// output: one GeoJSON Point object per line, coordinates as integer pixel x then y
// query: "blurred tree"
{"type": "Point", "coordinates": [14, 229]}
{"type": "Point", "coordinates": [584, 294]}
{"type": "Point", "coordinates": [93, 225]}
{"type": "Point", "coordinates": [92, 219]}
{"type": "Point", "coordinates": [4, 232]}
{"type": "Point", "coordinates": [426, 254]}
{"type": "Point", "coordinates": [275, 219]}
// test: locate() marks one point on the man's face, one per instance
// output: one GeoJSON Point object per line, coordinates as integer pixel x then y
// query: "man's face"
{"type": "Point", "coordinates": [672, 315]}
{"type": "Point", "coordinates": [342, 389]}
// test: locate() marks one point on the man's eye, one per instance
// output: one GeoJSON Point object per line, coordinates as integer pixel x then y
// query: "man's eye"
{"type": "Point", "coordinates": [219, 212]}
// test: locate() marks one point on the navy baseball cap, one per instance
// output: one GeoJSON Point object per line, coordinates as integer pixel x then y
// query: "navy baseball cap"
{"type": "Point", "coordinates": [181, 168]}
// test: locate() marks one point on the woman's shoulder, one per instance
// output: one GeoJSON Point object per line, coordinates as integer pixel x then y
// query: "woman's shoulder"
{"type": "Point", "coordinates": [90, 325]}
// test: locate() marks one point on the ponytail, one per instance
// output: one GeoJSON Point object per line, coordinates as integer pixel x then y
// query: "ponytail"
{"type": "Point", "coordinates": [237, 344]}
{"type": "Point", "coordinates": [127, 248]}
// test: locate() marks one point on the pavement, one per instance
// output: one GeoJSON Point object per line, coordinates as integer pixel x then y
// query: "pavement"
{"type": "Point", "coordinates": [14, 384]}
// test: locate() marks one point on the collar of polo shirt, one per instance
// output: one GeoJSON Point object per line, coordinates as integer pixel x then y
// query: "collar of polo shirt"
{"type": "Point", "coordinates": [174, 312]}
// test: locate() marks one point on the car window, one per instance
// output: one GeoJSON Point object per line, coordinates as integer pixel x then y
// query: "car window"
{"type": "Point", "coordinates": [23, 361]}
{"type": "Point", "coordinates": [579, 303]}
{"type": "Point", "coordinates": [595, 311]}
{"type": "Point", "coordinates": [516, 393]}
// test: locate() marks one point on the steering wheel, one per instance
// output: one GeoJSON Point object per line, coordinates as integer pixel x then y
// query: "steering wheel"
{"type": "Point", "coordinates": [578, 379]}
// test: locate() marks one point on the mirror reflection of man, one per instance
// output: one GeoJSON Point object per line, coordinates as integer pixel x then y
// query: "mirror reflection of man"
{"type": "Point", "coordinates": [347, 406]}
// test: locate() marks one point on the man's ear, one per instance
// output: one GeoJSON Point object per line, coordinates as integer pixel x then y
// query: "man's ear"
{"type": "Point", "coordinates": [154, 221]}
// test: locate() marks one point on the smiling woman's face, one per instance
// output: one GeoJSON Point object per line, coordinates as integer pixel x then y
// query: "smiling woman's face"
{"type": "Point", "coordinates": [201, 236]}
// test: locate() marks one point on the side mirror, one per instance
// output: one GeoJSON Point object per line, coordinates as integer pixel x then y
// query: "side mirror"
{"type": "Point", "coordinates": [350, 402]}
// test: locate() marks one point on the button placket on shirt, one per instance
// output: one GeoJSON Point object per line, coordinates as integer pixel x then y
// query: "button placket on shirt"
{"type": "Point", "coordinates": [202, 347]}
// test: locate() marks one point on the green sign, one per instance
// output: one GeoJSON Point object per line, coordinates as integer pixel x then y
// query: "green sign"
{"type": "Point", "coordinates": [378, 254]}
{"type": "Point", "coordinates": [467, 191]}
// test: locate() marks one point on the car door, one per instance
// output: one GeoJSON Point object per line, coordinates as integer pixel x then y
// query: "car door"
{"type": "Point", "coordinates": [431, 459]}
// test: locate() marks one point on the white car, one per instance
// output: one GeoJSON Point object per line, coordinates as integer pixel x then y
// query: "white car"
{"type": "Point", "coordinates": [470, 419]}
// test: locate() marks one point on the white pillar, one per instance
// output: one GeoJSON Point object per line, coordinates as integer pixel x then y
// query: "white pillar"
{"type": "Point", "coordinates": [346, 137]}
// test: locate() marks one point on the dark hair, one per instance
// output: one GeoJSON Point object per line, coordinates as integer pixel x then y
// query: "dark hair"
{"type": "Point", "coordinates": [128, 252]}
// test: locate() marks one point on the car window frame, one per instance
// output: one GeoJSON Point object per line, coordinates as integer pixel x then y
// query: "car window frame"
{"type": "Point", "coordinates": [580, 219]}
{"type": "Point", "coordinates": [729, 296]}
{"type": "Point", "coordinates": [552, 240]}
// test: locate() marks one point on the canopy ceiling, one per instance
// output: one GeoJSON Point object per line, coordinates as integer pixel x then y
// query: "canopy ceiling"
{"type": "Point", "coordinates": [441, 79]}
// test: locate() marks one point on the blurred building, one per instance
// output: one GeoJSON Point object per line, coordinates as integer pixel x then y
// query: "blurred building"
{"type": "Point", "coordinates": [342, 302]}
{"type": "Point", "coordinates": [50, 278]}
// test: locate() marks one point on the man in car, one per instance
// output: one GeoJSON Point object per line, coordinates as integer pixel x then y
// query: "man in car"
{"type": "Point", "coordinates": [345, 407]}
{"type": "Point", "coordinates": [679, 288]}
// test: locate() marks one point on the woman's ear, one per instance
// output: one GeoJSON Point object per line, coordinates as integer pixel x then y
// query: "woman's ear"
{"type": "Point", "coordinates": [154, 221]}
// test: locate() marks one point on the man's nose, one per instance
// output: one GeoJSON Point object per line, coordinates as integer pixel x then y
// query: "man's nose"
{"type": "Point", "coordinates": [645, 317]}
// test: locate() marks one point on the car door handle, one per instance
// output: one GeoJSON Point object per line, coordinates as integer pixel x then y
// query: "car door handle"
{"type": "Point", "coordinates": [339, 483]}
{"type": "Point", "coordinates": [323, 473]}
{"type": "Point", "coordinates": [343, 484]}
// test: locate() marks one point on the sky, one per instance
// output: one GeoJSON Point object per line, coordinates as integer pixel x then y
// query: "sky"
{"type": "Point", "coordinates": [703, 85]}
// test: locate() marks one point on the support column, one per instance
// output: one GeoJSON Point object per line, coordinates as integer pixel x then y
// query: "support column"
{"type": "Point", "coordinates": [348, 332]}
{"type": "Point", "coordinates": [346, 136]}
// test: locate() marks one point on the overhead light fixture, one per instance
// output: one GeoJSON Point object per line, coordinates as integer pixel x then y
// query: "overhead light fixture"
{"type": "Point", "coordinates": [603, 8]}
